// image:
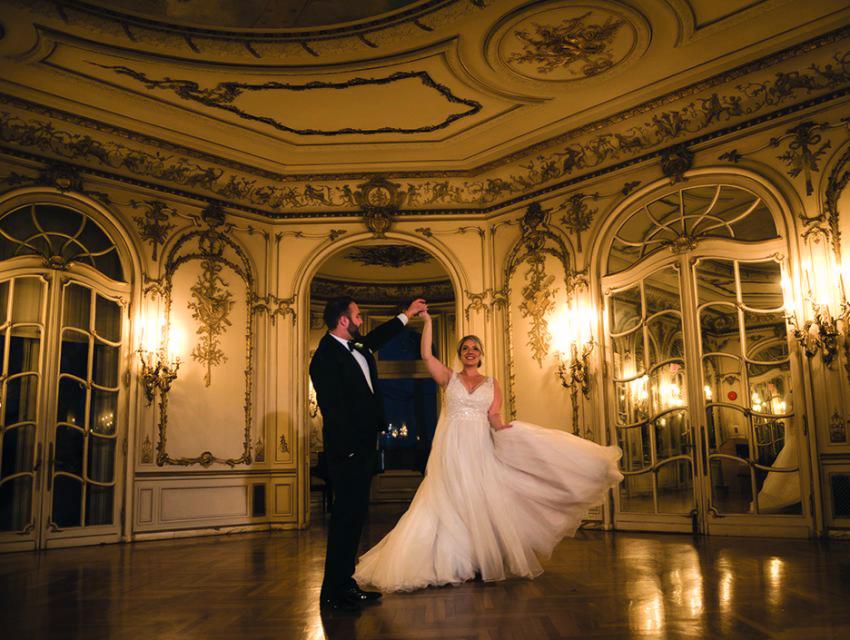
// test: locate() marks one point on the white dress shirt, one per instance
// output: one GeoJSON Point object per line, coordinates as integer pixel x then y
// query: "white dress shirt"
{"type": "Point", "coordinates": [360, 358]}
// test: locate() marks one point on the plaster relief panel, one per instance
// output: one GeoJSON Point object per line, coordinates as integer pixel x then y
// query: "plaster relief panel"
{"type": "Point", "coordinates": [566, 42]}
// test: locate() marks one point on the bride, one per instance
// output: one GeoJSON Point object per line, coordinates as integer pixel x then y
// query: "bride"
{"type": "Point", "coordinates": [495, 498]}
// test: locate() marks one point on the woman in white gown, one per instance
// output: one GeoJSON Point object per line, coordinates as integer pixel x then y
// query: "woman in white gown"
{"type": "Point", "coordinates": [496, 498]}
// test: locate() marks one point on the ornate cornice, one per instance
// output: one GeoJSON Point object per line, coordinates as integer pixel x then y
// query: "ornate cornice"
{"type": "Point", "coordinates": [599, 148]}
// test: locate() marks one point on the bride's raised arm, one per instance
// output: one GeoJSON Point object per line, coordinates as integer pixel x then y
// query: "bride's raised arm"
{"type": "Point", "coordinates": [440, 372]}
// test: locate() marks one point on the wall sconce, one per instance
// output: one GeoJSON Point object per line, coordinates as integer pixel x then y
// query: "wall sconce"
{"type": "Point", "coordinates": [159, 364]}
{"type": "Point", "coordinates": [312, 402]}
{"type": "Point", "coordinates": [830, 315]}
{"type": "Point", "coordinates": [573, 344]}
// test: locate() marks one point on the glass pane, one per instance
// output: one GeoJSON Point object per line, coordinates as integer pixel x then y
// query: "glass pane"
{"type": "Point", "coordinates": [107, 319]}
{"type": "Point", "coordinates": [625, 310]}
{"type": "Point", "coordinates": [668, 387]}
{"type": "Point", "coordinates": [4, 301]}
{"type": "Point", "coordinates": [761, 285]}
{"type": "Point", "coordinates": [675, 487]}
{"type": "Point", "coordinates": [719, 329]}
{"type": "Point", "coordinates": [99, 501]}
{"type": "Point", "coordinates": [74, 358]}
{"type": "Point", "coordinates": [636, 494]}
{"type": "Point", "coordinates": [24, 345]}
{"type": "Point", "coordinates": [672, 435]}
{"type": "Point", "coordinates": [636, 448]}
{"type": "Point", "coordinates": [715, 281]}
{"type": "Point", "coordinates": [67, 501]}
{"type": "Point", "coordinates": [727, 430]}
{"type": "Point", "coordinates": [15, 504]}
{"type": "Point", "coordinates": [770, 391]}
{"type": "Point", "coordinates": [104, 409]}
{"type": "Point", "coordinates": [18, 450]}
{"type": "Point", "coordinates": [71, 404]}
{"type": "Point", "coordinates": [69, 450]}
{"type": "Point", "coordinates": [27, 299]}
{"type": "Point", "coordinates": [109, 264]}
{"type": "Point", "coordinates": [21, 400]}
{"type": "Point", "coordinates": [661, 291]}
{"type": "Point", "coordinates": [105, 365]}
{"type": "Point", "coordinates": [76, 310]}
{"type": "Point", "coordinates": [101, 459]}
{"type": "Point", "coordinates": [731, 487]}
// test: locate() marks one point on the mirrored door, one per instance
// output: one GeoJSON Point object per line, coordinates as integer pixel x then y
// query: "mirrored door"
{"type": "Point", "coordinates": [718, 446]}
{"type": "Point", "coordinates": [62, 431]}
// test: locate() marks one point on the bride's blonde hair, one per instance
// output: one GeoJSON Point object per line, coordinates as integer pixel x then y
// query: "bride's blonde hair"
{"type": "Point", "coordinates": [476, 340]}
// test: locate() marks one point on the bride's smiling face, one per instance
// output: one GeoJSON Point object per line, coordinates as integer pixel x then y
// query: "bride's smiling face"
{"type": "Point", "coordinates": [470, 353]}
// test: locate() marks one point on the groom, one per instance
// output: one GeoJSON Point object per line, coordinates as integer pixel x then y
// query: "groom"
{"type": "Point", "coordinates": [345, 377]}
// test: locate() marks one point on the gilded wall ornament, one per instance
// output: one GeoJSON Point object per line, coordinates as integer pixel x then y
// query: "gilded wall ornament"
{"type": "Point", "coordinates": [578, 216]}
{"type": "Point", "coordinates": [259, 450]}
{"type": "Point", "coordinates": [805, 150]}
{"type": "Point", "coordinates": [153, 226]}
{"type": "Point", "coordinates": [538, 300]}
{"type": "Point", "coordinates": [675, 162]}
{"type": "Point", "coordinates": [275, 306]}
{"type": "Point", "coordinates": [284, 445]}
{"type": "Point", "coordinates": [210, 305]}
{"type": "Point", "coordinates": [577, 44]}
{"type": "Point", "coordinates": [147, 451]}
{"type": "Point", "coordinates": [380, 201]}
{"type": "Point", "coordinates": [435, 291]}
{"type": "Point", "coordinates": [837, 429]}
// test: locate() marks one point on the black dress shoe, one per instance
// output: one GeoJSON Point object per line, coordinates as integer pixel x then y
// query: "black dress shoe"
{"type": "Point", "coordinates": [358, 595]}
{"type": "Point", "coordinates": [340, 603]}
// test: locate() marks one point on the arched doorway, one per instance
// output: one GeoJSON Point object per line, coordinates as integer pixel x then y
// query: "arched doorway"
{"type": "Point", "coordinates": [383, 277]}
{"type": "Point", "coordinates": [701, 372]}
{"type": "Point", "coordinates": [64, 299]}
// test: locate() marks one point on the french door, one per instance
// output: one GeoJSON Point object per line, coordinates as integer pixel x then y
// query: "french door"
{"type": "Point", "coordinates": [63, 406]}
{"type": "Point", "coordinates": [704, 395]}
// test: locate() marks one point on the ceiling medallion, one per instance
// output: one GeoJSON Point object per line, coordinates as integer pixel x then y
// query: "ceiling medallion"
{"type": "Point", "coordinates": [565, 42]}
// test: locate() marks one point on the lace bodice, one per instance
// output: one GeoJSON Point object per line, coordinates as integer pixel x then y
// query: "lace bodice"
{"type": "Point", "coordinates": [460, 402]}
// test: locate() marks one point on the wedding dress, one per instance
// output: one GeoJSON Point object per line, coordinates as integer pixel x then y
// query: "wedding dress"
{"type": "Point", "coordinates": [491, 503]}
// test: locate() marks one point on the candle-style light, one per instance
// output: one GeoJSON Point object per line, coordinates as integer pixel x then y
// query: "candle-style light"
{"type": "Point", "coordinates": [159, 359]}
{"type": "Point", "coordinates": [573, 342]}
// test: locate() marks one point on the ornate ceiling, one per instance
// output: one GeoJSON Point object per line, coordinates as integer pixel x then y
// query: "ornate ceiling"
{"type": "Point", "coordinates": [287, 107]}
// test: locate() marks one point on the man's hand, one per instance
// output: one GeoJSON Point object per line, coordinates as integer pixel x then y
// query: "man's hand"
{"type": "Point", "coordinates": [416, 307]}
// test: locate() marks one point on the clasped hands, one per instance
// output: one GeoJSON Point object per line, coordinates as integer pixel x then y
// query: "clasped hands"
{"type": "Point", "coordinates": [416, 307]}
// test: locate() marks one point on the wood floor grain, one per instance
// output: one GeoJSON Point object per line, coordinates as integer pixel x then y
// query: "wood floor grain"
{"type": "Point", "coordinates": [598, 585]}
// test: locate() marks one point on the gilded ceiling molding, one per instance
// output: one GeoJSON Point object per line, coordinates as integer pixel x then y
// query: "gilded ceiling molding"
{"type": "Point", "coordinates": [223, 96]}
{"type": "Point", "coordinates": [675, 161]}
{"type": "Point", "coordinates": [701, 117]}
{"type": "Point", "coordinates": [380, 201]}
{"type": "Point", "coordinates": [805, 149]}
{"type": "Point", "coordinates": [211, 304]}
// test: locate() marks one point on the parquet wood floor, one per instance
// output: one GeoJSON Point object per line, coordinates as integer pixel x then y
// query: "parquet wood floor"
{"type": "Point", "coordinates": [596, 586]}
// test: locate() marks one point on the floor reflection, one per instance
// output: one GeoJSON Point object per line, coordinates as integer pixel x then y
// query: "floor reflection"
{"type": "Point", "coordinates": [598, 585]}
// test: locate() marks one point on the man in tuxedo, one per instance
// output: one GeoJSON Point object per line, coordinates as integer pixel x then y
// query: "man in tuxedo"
{"type": "Point", "coordinates": [345, 378]}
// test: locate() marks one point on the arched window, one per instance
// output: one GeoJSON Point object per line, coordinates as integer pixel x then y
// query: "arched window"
{"type": "Point", "coordinates": [60, 236]}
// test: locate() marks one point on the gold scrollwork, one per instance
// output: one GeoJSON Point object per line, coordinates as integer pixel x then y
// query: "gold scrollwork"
{"type": "Point", "coordinates": [275, 306]}
{"type": "Point", "coordinates": [211, 303]}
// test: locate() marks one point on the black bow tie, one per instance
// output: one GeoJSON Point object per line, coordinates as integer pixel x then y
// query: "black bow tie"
{"type": "Point", "coordinates": [352, 345]}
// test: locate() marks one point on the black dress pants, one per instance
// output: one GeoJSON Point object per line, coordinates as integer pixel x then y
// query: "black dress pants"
{"type": "Point", "coordinates": [351, 479]}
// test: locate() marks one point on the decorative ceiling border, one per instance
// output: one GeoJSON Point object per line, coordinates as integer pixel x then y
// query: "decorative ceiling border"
{"type": "Point", "coordinates": [701, 119]}
{"type": "Point", "coordinates": [222, 96]}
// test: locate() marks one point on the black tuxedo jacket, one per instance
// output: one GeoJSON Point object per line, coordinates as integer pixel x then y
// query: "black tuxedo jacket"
{"type": "Point", "coordinates": [352, 415]}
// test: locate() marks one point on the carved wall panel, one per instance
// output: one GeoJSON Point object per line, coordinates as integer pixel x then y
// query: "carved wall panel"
{"type": "Point", "coordinates": [209, 294]}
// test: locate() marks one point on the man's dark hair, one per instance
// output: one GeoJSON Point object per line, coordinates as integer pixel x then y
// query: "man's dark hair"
{"type": "Point", "coordinates": [334, 308]}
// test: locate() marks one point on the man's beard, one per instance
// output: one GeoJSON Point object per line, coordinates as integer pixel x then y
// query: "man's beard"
{"type": "Point", "coordinates": [354, 332]}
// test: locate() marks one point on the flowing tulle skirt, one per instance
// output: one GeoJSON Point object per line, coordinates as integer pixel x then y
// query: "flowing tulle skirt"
{"type": "Point", "coordinates": [493, 505]}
